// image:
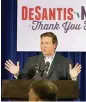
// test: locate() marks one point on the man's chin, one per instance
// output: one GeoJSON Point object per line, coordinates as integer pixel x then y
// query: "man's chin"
{"type": "Point", "coordinates": [45, 53]}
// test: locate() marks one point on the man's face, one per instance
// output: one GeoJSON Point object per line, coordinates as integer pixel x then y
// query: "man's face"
{"type": "Point", "coordinates": [47, 47]}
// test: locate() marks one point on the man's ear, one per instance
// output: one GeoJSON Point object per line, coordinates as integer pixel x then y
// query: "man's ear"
{"type": "Point", "coordinates": [55, 45]}
{"type": "Point", "coordinates": [38, 99]}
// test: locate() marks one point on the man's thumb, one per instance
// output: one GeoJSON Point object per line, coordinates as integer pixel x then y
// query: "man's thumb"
{"type": "Point", "coordinates": [70, 66]}
{"type": "Point", "coordinates": [17, 63]}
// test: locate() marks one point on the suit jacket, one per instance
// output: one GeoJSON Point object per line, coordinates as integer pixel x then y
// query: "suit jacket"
{"type": "Point", "coordinates": [59, 69]}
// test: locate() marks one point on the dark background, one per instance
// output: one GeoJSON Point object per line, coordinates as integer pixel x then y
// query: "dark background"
{"type": "Point", "coordinates": [9, 46]}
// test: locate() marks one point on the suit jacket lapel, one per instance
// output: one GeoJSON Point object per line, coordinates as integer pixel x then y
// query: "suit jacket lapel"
{"type": "Point", "coordinates": [42, 62]}
{"type": "Point", "coordinates": [53, 65]}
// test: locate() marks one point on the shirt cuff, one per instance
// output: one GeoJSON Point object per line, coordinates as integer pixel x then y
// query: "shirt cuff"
{"type": "Point", "coordinates": [74, 79]}
{"type": "Point", "coordinates": [16, 76]}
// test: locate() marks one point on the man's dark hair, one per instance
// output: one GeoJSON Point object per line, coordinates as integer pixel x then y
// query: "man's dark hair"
{"type": "Point", "coordinates": [46, 90]}
{"type": "Point", "coordinates": [50, 34]}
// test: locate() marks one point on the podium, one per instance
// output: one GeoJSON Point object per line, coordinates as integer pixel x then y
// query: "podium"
{"type": "Point", "coordinates": [18, 89]}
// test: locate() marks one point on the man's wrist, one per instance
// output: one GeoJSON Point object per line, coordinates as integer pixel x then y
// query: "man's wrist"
{"type": "Point", "coordinates": [16, 75]}
{"type": "Point", "coordinates": [74, 78]}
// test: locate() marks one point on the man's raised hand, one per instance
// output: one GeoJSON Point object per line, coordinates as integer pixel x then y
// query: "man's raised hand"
{"type": "Point", "coordinates": [11, 67]}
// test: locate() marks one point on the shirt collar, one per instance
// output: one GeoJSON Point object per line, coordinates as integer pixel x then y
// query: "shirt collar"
{"type": "Point", "coordinates": [52, 57]}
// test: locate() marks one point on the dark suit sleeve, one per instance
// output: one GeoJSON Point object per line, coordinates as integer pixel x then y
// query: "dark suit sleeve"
{"type": "Point", "coordinates": [24, 74]}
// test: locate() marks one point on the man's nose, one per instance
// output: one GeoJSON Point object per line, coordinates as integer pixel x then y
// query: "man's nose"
{"type": "Point", "coordinates": [44, 46]}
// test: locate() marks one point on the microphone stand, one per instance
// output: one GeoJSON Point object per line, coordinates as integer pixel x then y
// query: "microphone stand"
{"type": "Point", "coordinates": [41, 73]}
{"type": "Point", "coordinates": [37, 75]}
{"type": "Point", "coordinates": [44, 71]}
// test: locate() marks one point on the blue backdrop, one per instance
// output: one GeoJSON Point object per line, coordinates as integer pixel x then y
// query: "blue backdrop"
{"type": "Point", "coordinates": [9, 46]}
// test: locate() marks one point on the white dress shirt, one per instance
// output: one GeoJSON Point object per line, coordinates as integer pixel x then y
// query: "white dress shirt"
{"type": "Point", "coordinates": [49, 59]}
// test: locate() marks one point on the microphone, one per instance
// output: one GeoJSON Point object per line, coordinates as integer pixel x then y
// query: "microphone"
{"type": "Point", "coordinates": [35, 73]}
{"type": "Point", "coordinates": [45, 69]}
{"type": "Point", "coordinates": [37, 68]}
{"type": "Point", "coordinates": [47, 66]}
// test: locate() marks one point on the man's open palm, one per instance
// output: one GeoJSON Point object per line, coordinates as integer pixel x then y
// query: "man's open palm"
{"type": "Point", "coordinates": [74, 72]}
{"type": "Point", "coordinates": [11, 67]}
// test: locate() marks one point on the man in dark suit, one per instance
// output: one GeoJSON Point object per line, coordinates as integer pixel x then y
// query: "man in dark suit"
{"type": "Point", "coordinates": [48, 65]}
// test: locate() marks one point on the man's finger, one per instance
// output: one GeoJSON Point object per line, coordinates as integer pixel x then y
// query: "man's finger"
{"type": "Point", "coordinates": [10, 62]}
{"type": "Point", "coordinates": [76, 65]}
{"type": "Point", "coordinates": [17, 63]}
{"type": "Point", "coordinates": [7, 68]}
{"type": "Point", "coordinates": [79, 71]}
{"type": "Point", "coordinates": [70, 66]}
{"type": "Point", "coordinates": [7, 65]}
{"type": "Point", "coordinates": [78, 68]}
